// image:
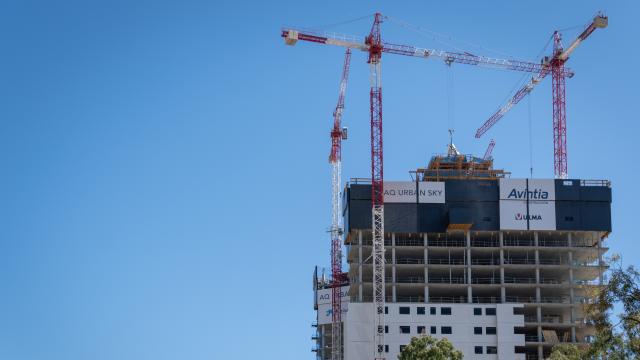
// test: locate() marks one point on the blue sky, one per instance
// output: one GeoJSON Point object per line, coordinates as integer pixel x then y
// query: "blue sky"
{"type": "Point", "coordinates": [165, 179]}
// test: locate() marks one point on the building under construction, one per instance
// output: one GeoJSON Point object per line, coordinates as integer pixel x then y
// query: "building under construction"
{"type": "Point", "coordinates": [500, 266]}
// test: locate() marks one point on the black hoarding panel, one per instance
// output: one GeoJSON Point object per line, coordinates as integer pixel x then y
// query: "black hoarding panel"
{"type": "Point", "coordinates": [471, 190]}
{"type": "Point", "coordinates": [460, 213]}
{"type": "Point", "coordinates": [360, 192]}
{"type": "Point", "coordinates": [596, 216]}
{"type": "Point", "coordinates": [400, 217]}
{"type": "Point", "coordinates": [484, 216]}
{"type": "Point", "coordinates": [359, 214]}
{"type": "Point", "coordinates": [595, 193]}
{"type": "Point", "coordinates": [567, 190]}
{"type": "Point", "coordinates": [568, 215]}
{"type": "Point", "coordinates": [432, 218]}
{"type": "Point", "coordinates": [487, 216]}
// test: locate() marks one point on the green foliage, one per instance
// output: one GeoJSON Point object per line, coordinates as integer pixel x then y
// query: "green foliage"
{"type": "Point", "coordinates": [616, 340]}
{"type": "Point", "coordinates": [428, 348]}
{"type": "Point", "coordinates": [566, 352]}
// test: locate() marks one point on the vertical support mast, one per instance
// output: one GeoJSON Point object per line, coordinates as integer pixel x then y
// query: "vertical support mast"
{"type": "Point", "coordinates": [377, 195]}
{"type": "Point", "coordinates": [335, 158]}
{"type": "Point", "coordinates": [559, 109]}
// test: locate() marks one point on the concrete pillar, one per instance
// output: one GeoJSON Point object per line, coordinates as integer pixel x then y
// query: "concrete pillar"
{"type": "Point", "coordinates": [569, 240]}
{"type": "Point", "coordinates": [503, 290]}
{"type": "Point", "coordinates": [538, 313]}
{"type": "Point", "coordinates": [600, 262]}
{"type": "Point", "coordinates": [393, 267]}
{"type": "Point", "coordinates": [360, 295]}
{"type": "Point", "coordinates": [540, 352]}
{"type": "Point", "coordinates": [468, 267]}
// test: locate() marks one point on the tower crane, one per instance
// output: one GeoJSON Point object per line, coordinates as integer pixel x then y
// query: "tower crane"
{"type": "Point", "coordinates": [555, 64]}
{"type": "Point", "coordinates": [335, 159]}
{"type": "Point", "coordinates": [487, 153]}
{"type": "Point", "coordinates": [375, 47]}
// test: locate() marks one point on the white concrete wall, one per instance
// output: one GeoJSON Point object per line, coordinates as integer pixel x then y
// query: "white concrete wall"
{"type": "Point", "coordinates": [359, 332]}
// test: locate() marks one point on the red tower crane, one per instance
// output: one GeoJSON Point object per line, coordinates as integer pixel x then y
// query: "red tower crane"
{"type": "Point", "coordinates": [556, 65]}
{"type": "Point", "coordinates": [374, 46]}
{"type": "Point", "coordinates": [335, 159]}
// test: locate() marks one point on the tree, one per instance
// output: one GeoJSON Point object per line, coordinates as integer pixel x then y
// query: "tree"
{"type": "Point", "coordinates": [428, 348]}
{"type": "Point", "coordinates": [566, 352]}
{"type": "Point", "coordinates": [616, 339]}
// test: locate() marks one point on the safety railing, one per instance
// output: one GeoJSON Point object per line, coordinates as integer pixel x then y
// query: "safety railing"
{"type": "Point", "coordinates": [519, 280]}
{"type": "Point", "coordinates": [409, 242]}
{"type": "Point", "coordinates": [553, 242]}
{"type": "Point", "coordinates": [532, 338]}
{"type": "Point", "coordinates": [411, 299]}
{"type": "Point", "coordinates": [486, 300]}
{"type": "Point", "coordinates": [520, 299]}
{"type": "Point", "coordinates": [448, 299]}
{"type": "Point", "coordinates": [409, 261]}
{"type": "Point", "coordinates": [606, 183]}
{"type": "Point", "coordinates": [551, 261]}
{"type": "Point", "coordinates": [446, 243]}
{"type": "Point", "coordinates": [518, 242]}
{"type": "Point", "coordinates": [486, 261]}
{"type": "Point", "coordinates": [485, 280]}
{"type": "Point", "coordinates": [446, 280]}
{"type": "Point", "coordinates": [435, 261]}
{"type": "Point", "coordinates": [519, 261]}
{"type": "Point", "coordinates": [410, 279]}
{"type": "Point", "coordinates": [485, 243]}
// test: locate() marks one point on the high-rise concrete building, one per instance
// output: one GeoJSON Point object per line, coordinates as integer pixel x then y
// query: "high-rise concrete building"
{"type": "Point", "coordinates": [499, 266]}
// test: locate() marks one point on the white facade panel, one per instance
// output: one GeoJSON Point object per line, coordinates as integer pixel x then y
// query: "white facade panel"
{"type": "Point", "coordinates": [359, 333]}
{"type": "Point", "coordinates": [400, 192]}
{"type": "Point", "coordinates": [523, 189]}
{"type": "Point", "coordinates": [431, 192]}
{"type": "Point", "coordinates": [324, 302]}
{"type": "Point", "coordinates": [406, 192]}
{"type": "Point", "coordinates": [527, 204]}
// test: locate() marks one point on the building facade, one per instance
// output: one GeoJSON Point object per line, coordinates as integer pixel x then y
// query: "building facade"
{"type": "Point", "coordinates": [466, 239]}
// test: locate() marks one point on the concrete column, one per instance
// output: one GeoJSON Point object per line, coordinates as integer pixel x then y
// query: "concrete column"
{"type": "Point", "coordinates": [540, 352]}
{"type": "Point", "coordinates": [503, 290]}
{"type": "Point", "coordinates": [360, 265]}
{"type": "Point", "coordinates": [569, 240]}
{"type": "Point", "coordinates": [600, 262]}
{"type": "Point", "coordinates": [393, 293]}
{"type": "Point", "coordinates": [393, 267]}
{"type": "Point", "coordinates": [468, 267]}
